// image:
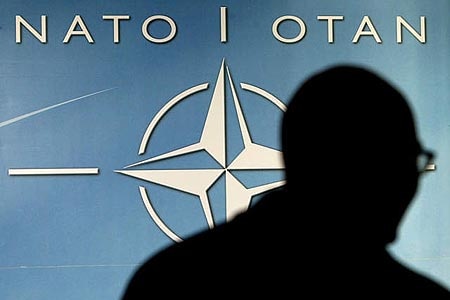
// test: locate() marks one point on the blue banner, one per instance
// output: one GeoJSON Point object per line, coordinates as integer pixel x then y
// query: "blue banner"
{"type": "Point", "coordinates": [126, 127]}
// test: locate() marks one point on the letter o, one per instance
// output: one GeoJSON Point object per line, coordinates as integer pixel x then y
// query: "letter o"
{"type": "Point", "coordinates": [295, 39]}
{"type": "Point", "coordinates": [168, 38]}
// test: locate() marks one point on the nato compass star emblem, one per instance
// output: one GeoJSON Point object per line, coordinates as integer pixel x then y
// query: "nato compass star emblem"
{"type": "Point", "coordinates": [213, 141]}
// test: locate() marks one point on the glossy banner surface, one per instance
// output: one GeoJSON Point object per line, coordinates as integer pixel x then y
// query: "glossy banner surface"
{"type": "Point", "coordinates": [126, 126]}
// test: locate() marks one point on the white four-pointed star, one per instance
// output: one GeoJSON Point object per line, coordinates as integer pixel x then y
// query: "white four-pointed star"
{"type": "Point", "coordinates": [213, 141]}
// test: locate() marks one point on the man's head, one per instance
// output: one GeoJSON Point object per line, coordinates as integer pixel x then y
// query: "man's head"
{"type": "Point", "coordinates": [350, 145]}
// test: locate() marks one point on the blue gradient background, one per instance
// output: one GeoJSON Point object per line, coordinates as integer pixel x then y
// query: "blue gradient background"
{"type": "Point", "coordinates": [81, 237]}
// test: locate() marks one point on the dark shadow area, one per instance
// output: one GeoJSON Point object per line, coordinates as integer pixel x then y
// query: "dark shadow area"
{"type": "Point", "coordinates": [353, 162]}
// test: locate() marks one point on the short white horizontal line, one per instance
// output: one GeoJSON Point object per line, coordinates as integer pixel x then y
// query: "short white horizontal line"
{"type": "Point", "coordinates": [68, 266]}
{"type": "Point", "coordinates": [430, 167]}
{"type": "Point", "coordinates": [56, 171]}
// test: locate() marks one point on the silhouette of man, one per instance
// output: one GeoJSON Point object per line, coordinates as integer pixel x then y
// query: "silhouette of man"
{"type": "Point", "coordinates": [352, 164]}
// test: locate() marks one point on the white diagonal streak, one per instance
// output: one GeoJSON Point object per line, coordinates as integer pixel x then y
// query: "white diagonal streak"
{"type": "Point", "coordinates": [33, 113]}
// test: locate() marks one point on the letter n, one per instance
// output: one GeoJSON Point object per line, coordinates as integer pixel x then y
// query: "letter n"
{"type": "Point", "coordinates": [21, 22]}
